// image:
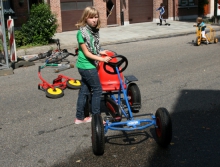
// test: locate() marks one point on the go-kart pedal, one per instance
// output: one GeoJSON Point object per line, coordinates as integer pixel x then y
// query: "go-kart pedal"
{"type": "Point", "coordinates": [136, 106]}
{"type": "Point", "coordinates": [111, 119]}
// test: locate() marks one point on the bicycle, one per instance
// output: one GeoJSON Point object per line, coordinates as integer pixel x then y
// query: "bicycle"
{"type": "Point", "coordinates": [53, 56]}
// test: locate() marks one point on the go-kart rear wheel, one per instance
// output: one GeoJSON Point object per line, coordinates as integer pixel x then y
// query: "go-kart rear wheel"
{"type": "Point", "coordinates": [73, 84]}
{"type": "Point", "coordinates": [134, 97]}
{"type": "Point", "coordinates": [163, 127]}
{"type": "Point", "coordinates": [215, 40]}
{"type": "Point", "coordinates": [114, 109]}
{"type": "Point", "coordinates": [54, 93]}
{"type": "Point", "coordinates": [98, 138]}
{"type": "Point", "coordinates": [198, 41]}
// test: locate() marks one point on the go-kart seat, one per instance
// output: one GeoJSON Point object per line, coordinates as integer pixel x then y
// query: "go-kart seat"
{"type": "Point", "coordinates": [109, 82]}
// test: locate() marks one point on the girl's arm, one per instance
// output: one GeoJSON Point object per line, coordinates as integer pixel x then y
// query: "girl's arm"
{"type": "Point", "coordinates": [92, 56]}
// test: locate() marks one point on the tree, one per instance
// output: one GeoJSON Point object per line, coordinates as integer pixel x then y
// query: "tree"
{"type": "Point", "coordinates": [41, 25]}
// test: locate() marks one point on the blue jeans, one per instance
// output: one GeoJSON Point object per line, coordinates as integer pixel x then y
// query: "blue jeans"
{"type": "Point", "coordinates": [89, 81]}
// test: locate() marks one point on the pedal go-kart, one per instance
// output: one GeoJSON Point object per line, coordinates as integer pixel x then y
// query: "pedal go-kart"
{"type": "Point", "coordinates": [122, 98]}
{"type": "Point", "coordinates": [210, 36]}
{"type": "Point", "coordinates": [62, 82]}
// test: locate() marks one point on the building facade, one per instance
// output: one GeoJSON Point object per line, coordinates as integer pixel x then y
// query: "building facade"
{"type": "Point", "coordinates": [123, 12]}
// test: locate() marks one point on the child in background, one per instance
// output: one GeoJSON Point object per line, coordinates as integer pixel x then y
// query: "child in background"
{"type": "Point", "coordinates": [201, 24]}
{"type": "Point", "coordinates": [162, 11]}
{"type": "Point", "coordinates": [88, 55]}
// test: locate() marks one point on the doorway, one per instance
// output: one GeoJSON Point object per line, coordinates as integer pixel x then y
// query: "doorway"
{"type": "Point", "coordinates": [111, 12]}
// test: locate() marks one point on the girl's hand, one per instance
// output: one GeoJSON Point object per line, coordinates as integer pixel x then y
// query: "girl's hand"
{"type": "Point", "coordinates": [106, 59]}
{"type": "Point", "coordinates": [103, 52]}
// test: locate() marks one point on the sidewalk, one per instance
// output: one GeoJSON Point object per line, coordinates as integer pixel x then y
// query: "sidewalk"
{"type": "Point", "coordinates": [122, 34]}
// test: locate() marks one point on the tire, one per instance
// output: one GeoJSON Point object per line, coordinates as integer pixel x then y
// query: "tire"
{"type": "Point", "coordinates": [59, 59]}
{"type": "Point", "coordinates": [215, 40]}
{"type": "Point", "coordinates": [164, 127]}
{"type": "Point", "coordinates": [114, 109]}
{"type": "Point", "coordinates": [134, 97]}
{"type": "Point", "coordinates": [73, 84]}
{"type": "Point", "coordinates": [198, 41]}
{"type": "Point", "coordinates": [35, 58]}
{"type": "Point", "coordinates": [98, 138]}
{"type": "Point", "coordinates": [41, 56]}
{"type": "Point", "coordinates": [57, 93]}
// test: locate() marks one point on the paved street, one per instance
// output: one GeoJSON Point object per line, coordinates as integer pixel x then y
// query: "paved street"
{"type": "Point", "coordinates": [172, 73]}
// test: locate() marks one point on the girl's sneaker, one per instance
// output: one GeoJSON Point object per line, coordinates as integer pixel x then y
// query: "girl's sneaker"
{"type": "Point", "coordinates": [87, 119]}
{"type": "Point", "coordinates": [78, 121]}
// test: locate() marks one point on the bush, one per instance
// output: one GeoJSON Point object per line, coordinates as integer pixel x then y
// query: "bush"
{"type": "Point", "coordinates": [18, 38]}
{"type": "Point", "coordinates": [40, 27]}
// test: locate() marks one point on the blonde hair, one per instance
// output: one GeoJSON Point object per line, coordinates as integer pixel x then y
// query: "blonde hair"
{"type": "Point", "coordinates": [199, 20]}
{"type": "Point", "coordinates": [88, 12]}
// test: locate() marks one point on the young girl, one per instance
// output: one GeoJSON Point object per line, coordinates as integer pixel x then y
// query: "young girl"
{"type": "Point", "coordinates": [88, 56]}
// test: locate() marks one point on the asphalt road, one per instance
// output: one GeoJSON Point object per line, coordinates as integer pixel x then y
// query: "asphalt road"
{"type": "Point", "coordinates": [172, 72]}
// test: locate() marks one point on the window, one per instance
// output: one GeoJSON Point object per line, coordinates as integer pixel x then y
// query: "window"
{"type": "Point", "coordinates": [7, 7]}
{"type": "Point", "coordinates": [75, 5]}
{"type": "Point", "coordinates": [186, 2]}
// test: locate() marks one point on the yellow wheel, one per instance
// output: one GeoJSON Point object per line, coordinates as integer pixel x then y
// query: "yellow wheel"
{"type": "Point", "coordinates": [198, 41]}
{"type": "Point", "coordinates": [73, 84]}
{"type": "Point", "coordinates": [54, 93]}
{"type": "Point", "coordinates": [215, 40]}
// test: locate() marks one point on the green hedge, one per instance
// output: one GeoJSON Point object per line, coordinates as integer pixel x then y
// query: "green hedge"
{"type": "Point", "coordinates": [40, 27]}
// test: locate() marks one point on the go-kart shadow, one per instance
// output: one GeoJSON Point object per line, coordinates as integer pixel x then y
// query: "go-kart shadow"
{"type": "Point", "coordinates": [196, 131]}
{"type": "Point", "coordinates": [128, 138]}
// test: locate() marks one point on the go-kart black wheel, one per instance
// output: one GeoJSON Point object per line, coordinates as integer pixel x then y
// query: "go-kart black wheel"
{"type": "Point", "coordinates": [114, 109]}
{"type": "Point", "coordinates": [88, 107]}
{"type": "Point", "coordinates": [134, 97]}
{"type": "Point", "coordinates": [163, 127]}
{"type": "Point", "coordinates": [215, 40]}
{"type": "Point", "coordinates": [54, 93]}
{"type": "Point", "coordinates": [198, 41]}
{"type": "Point", "coordinates": [122, 64]}
{"type": "Point", "coordinates": [98, 138]}
{"type": "Point", "coordinates": [73, 84]}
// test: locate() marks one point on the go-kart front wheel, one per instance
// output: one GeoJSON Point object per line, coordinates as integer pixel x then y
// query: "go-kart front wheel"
{"type": "Point", "coordinates": [163, 127]}
{"type": "Point", "coordinates": [134, 97]}
{"type": "Point", "coordinates": [98, 137]}
{"type": "Point", "coordinates": [73, 84]}
{"type": "Point", "coordinates": [54, 93]}
{"type": "Point", "coordinates": [198, 41]}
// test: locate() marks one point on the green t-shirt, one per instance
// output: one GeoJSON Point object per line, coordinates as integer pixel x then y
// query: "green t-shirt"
{"type": "Point", "coordinates": [83, 62]}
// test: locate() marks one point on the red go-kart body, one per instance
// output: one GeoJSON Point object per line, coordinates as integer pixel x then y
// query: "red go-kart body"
{"type": "Point", "coordinates": [109, 82]}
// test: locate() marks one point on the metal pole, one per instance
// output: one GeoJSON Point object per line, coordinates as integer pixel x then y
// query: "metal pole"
{"type": "Point", "coordinates": [3, 33]}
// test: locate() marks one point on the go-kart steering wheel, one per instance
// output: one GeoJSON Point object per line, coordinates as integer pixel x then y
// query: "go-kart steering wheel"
{"type": "Point", "coordinates": [117, 64]}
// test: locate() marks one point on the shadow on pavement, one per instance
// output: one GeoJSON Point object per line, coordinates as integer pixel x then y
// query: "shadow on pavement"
{"type": "Point", "coordinates": [196, 138]}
